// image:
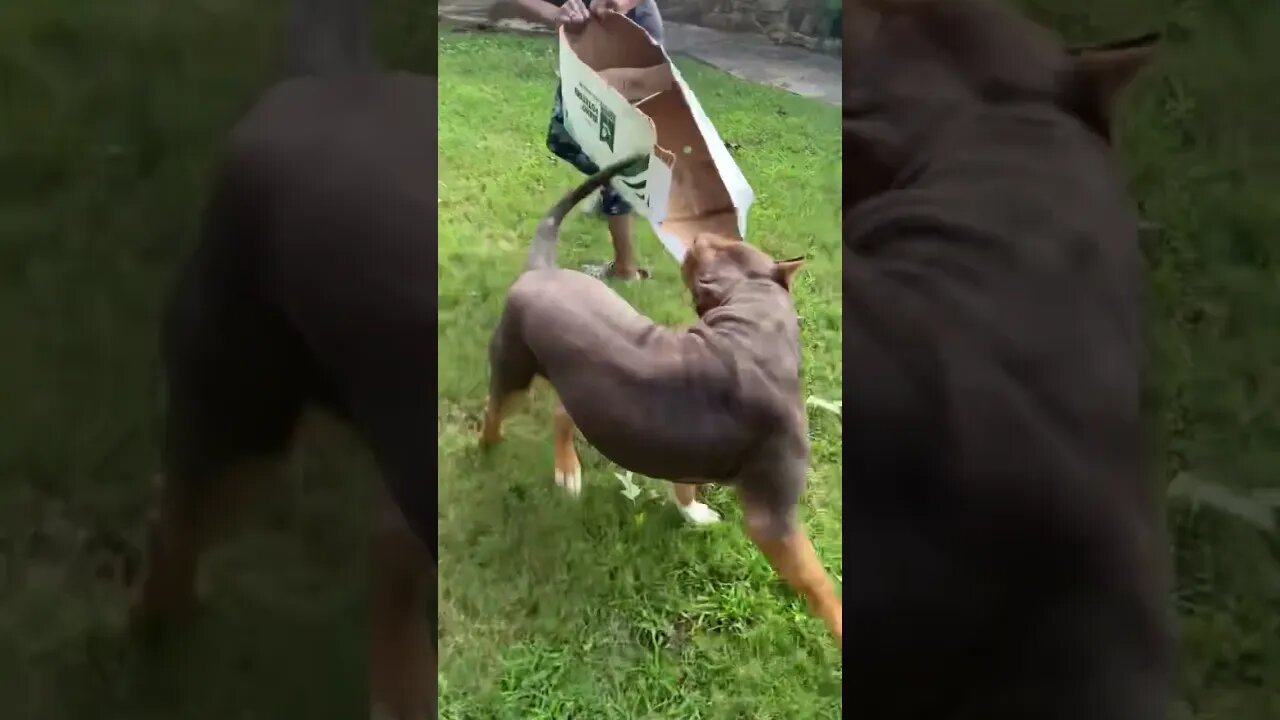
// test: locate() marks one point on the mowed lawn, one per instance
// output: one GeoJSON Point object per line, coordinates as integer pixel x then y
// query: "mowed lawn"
{"type": "Point", "coordinates": [608, 606]}
{"type": "Point", "coordinates": [110, 118]}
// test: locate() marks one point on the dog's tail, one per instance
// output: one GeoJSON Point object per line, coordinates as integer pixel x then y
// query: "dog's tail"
{"type": "Point", "coordinates": [325, 37]}
{"type": "Point", "coordinates": [542, 254]}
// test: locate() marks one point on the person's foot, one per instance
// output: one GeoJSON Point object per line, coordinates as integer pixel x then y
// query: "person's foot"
{"type": "Point", "coordinates": [608, 271]}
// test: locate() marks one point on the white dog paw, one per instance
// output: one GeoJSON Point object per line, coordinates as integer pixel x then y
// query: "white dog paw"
{"type": "Point", "coordinates": [698, 513]}
{"type": "Point", "coordinates": [571, 480]}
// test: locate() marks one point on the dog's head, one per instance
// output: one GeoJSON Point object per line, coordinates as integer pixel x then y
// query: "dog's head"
{"type": "Point", "coordinates": [713, 266]}
{"type": "Point", "coordinates": [910, 64]}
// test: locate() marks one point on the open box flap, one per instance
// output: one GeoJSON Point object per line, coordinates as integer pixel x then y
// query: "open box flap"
{"type": "Point", "coordinates": [675, 233]}
{"type": "Point", "coordinates": [730, 174]}
{"type": "Point", "coordinates": [638, 84]}
{"type": "Point", "coordinates": [623, 96]}
{"type": "Point", "coordinates": [696, 187]}
{"type": "Point", "coordinates": [614, 41]}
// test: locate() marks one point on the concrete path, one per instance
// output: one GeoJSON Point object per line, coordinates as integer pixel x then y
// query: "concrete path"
{"type": "Point", "coordinates": [755, 58]}
{"type": "Point", "coordinates": [743, 55]}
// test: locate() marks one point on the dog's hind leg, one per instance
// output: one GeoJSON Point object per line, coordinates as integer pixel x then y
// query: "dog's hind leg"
{"type": "Point", "coordinates": [512, 367]}
{"type": "Point", "coordinates": [496, 409]}
{"type": "Point", "coordinates": [773, 528]}
{"type": "Point", "coordinates": [234, 396]}
{"type": "Point", "coordinates": [191, 509]}
{"type": "Point", "coordinates": [568, 469]}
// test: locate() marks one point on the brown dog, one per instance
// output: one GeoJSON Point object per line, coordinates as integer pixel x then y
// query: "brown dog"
{"type": "Point", "coordinates": [313, 284]}
{"type": "Point", "coordinates": [999, 519]}
{"type": "Point", "coordinates": [717, 402]}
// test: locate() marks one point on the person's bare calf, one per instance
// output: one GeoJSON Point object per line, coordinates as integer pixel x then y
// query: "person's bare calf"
{"type": "Point", "coordinates": [624, 254]}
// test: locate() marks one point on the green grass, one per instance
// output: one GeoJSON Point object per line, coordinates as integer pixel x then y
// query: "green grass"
{"type": "Point", "coordinates": [605, 607]}
{"type": "Point", "coordinates": [110, 115]}
{"type": "Point", "coordinates": [1199, 143]}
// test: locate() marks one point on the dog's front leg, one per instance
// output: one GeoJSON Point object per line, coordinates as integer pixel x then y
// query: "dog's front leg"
{"type": "Point", "coordinates": [402, 663]}
{"type": "Point", "coordinates": [779, 536]}
{"type": "Point", "coordinates": [686, 495]}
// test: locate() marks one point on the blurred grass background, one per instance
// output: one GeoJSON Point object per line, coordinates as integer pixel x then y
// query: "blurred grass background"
{"type": "Point", "coordinates": [110, 117]}
{"type": "Point", "coordinates": [1201, 140]}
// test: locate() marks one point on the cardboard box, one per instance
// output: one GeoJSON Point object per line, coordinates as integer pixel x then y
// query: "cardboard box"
{"type": "Point", "coordinates": [623, 96]}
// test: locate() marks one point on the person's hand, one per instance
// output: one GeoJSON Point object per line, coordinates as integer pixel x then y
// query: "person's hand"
{"type": "Point", "coordinates": [573, 15]}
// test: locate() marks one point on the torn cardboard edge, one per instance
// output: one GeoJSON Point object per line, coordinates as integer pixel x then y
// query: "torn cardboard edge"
{"type": "Point", "coordinates": [623, 96]}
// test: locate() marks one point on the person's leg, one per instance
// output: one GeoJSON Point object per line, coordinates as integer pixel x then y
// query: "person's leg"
{"type": "Point", "coordinates": [560, 143]}
{"type": "Point", "coordinates": [624, 252]}
{"type": "Point", "coordinates": [621, 233]}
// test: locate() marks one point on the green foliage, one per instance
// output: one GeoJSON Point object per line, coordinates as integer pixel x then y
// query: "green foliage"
{"type": "Point", "coordinates": [111, 114]}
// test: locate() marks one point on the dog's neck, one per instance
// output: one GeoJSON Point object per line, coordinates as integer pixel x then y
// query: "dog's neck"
{"type": "Point", "coordinates": [755, 331]}
{"type": "Point", "coordinates": [738, 290]}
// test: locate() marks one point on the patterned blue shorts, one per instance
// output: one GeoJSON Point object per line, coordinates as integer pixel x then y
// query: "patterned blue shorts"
{"type": "Point", "coordinates": [566, 148]}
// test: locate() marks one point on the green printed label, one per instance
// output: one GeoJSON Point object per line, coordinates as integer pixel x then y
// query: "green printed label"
{"type": "Point", "coordinates": [634, 169]}
{"type": "Point", "coordinates": [607, 131]}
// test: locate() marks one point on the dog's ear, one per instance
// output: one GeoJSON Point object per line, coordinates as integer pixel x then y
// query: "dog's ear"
{"type": "Point", "coordinates": [785, 270]}
{"type": "Point", "coordinates": [1100, 73]}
